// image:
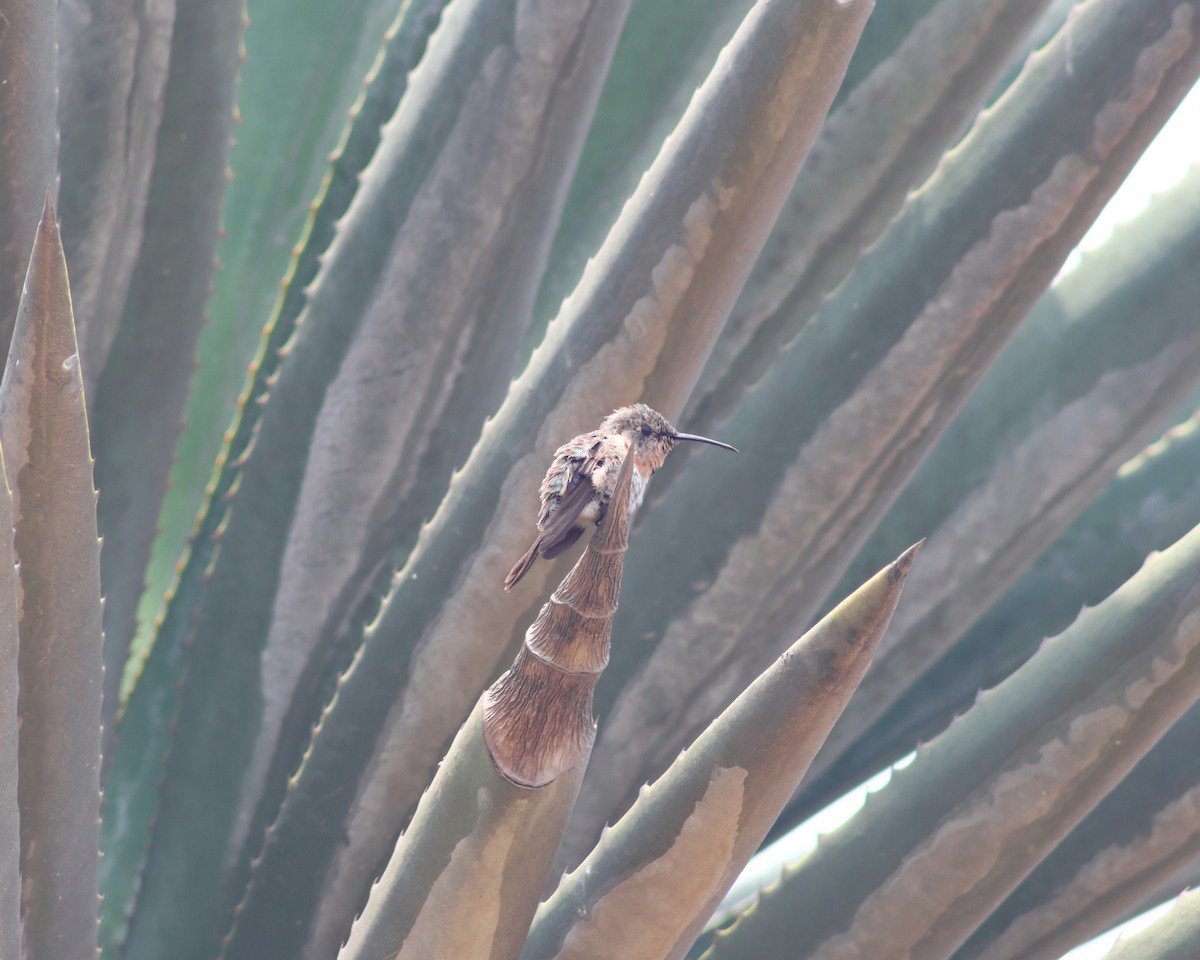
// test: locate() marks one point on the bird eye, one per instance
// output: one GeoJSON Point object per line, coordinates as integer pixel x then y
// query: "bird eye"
{"type": "Point", "coordinates": [646, 431]}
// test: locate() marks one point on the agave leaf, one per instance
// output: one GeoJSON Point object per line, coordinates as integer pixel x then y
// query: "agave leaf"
{"type": "Point", "coordinates": [1043, 32]}
{"type": "Point", "coordinates": [28, 139]}
{"type": "Point", "coordinates": [285, 115]}
{"type": "Point", "coordinates": [290, 121]}
{"type": "Point", "coordinates": [10, 819]}
{"type": "Point", "coordinates": [1152, 502]}
{"type": "Point", "coordinates": [465, 877]}
{"type": "Point", "coordinates": [656, 876]}
{"type": "Point", "coordinates": [1174, 936]}
{"type": "Point", "coordinates": [984, 802]}
{"type": "Point", "coordinates": [882, 141]}
{"type": "Point", "coordinates": [477, 79]}
{"type": "Point", "coordinates": [44, 435]}
{"type": "Point", "coordinates": [404, 45]}
{"type": "Point", "coordinates": [137, 410]}
{"type": "Point", "coordinates": [640, 324]}
{"type": "Point", "coordinates": [667, 49]}
{"type": "Point", "coordinates": [149, 715]}
{"type": "Point", "coordinates": [1080, 390]}
{"type": "Point", "coordinates": [1141, 836]}
{"type": "Point", "coordinates": [113, 64]}
{"type": "Point", "coordinates": [433, 357]}
{"type": "Point", "coordinates": [848, 410]}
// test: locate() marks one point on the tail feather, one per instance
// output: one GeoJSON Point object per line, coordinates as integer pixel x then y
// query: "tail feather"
{"type": "Point", "coordinates": [521, 567]}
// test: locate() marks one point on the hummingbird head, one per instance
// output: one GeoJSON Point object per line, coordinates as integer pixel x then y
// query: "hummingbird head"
{"type": "Point", "coordinates": [651, 435]}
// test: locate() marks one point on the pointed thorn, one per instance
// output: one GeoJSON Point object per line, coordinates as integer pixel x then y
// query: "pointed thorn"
{"type": "Point", "coordinates": [904, 562]}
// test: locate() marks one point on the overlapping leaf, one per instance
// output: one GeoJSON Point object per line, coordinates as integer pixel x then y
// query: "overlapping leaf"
{"type": "Point", "coordinates": [48, 462]}
{"type": "Point", "coordinates": [640, 325]}
{"type": "Point", "coordinates": [847, 411]}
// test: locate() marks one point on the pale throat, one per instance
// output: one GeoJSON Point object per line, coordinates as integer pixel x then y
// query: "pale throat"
{"type": "Point", "coordinates": [637, 486]}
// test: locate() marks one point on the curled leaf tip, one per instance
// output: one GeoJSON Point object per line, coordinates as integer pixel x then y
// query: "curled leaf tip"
{"type": "Point", "coordinates": [904, 562]}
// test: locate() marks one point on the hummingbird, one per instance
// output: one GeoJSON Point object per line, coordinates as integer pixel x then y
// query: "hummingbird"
{"type": "Point", "coordinates": [582, 478]}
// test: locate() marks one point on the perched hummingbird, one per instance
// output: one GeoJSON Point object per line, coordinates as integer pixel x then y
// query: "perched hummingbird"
{"type": "Point", "coordinates": [580, 483]}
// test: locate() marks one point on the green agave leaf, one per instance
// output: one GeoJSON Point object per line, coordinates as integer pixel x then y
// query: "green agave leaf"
{"type": "Point", "coordinates": [640, 325]}
{"type": "Point", "coordinates": [881, 142]}
{"type": "Point", "coordinates": [113, 64]}
{"type": "Point", "coordinates": [656, 876]}
{"type": "Point", "coordinates": [1153, 501]}
{"type": "Point", "coordinates": [1080, 390]}
{"type": "Point", "coordinates": [44, 435]}
{"type": "Point", "coordinates": [850, 408]}
{"type": "Point", "coordinates": [10, 817]}
{"type": "Point", "coordinates": [458, 111]}
{"type": "Point", "coordinates": [28, 139]}
{"type": "Point", "coordinates": [1043, 32]}
{"type": "Point", "coordinates": [1140, 837]}
{"type": "Point", "coordinates": [666, 50]}
{"type": "Point", "coordinates": [133, 782]}
{"type": "Point", "coordinates": [290, 121]}
{"type": "Point", "coordinates": [137, 411]}
{"type": "Point", "coordinates": [466, 876]}
{"type": "Point", "coordinates": [433, 357]}
{"type": "Point", "coordinates": [983, 803]}
{"type": "Point", "coordinates": [1175, 936]}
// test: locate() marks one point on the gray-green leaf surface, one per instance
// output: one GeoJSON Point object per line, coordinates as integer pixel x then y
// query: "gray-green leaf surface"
{"type": "Point", "coordinates": [984, 802]}
{"type": "Point", "coordinates": [846, 413]}
{"type": "Point", "coordinates": [137, 410]}
{"type": "Point", "coordinates": [28, 139]}
{"type": "Point", "coordinates": [654, 878]}
{"type": "Point", "coordinates": [10, 816]}
{"type": "Point", "coordinates": [640, 325]}
{"type": "Point", "coordinates": [1091, 377]}
{"type": "Point", "coordinates": [44, 435]}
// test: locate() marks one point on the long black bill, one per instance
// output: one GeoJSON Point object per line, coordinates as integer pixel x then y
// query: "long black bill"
{"type": "Point", "coordinates": [715, 443]}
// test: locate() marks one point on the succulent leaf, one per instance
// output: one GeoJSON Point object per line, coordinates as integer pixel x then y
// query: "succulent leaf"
{"type": "Point", "coordinates": [10, 817]}
{"type": "Point", "coordinates": [392, 239]}
{"type": "Point", "coordinates": [639, 326]}
{"type": "Point", "coordinates": [665, 51]}
{"type": "Point", "coordinates": [1015, 773]}
{"type": "Point", "coordinates": [44, 435]}
{"type": "Point", "coordinates": [881, 142]}
{"type": "Point", "coordinates": [763, 273]}
{"type": "Point", "coordinates": [433, 900]}
{"type": "Point", "coordinates": [114, 59]}
{"type": "Point", "coordinates": [137, 410]}
{"type": "Point", "coordinates": [847, 412]}
{"type": "Point", "coordinates": [28, 139]}
{"type": "Point", "coordinates": [288, 122]}
{"type": "Point", "coordinates": [505, 804]}
{"type": "Point", "coordinates": [1143, 835]}
{"type": "Point", "coordinates": [432, 357]}
{"type": "Point", "coordinates": [1175, 936]}
{"type": "Point", "coordinates": [1080, 390]}
{"type": "Point", "coordinates": [148, 719]}
{"type": "Point", "coordinates": [658, 874]}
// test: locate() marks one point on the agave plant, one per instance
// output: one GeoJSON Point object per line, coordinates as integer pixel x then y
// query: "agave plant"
{"type": "Point", "coordinates": [307, 721]}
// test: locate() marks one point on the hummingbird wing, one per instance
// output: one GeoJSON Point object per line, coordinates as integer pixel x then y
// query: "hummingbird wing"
{"type": "Point", "coordinates": [559, 524]}
{"type": "Point", "coordinates": [562, 526]}
{"type": "Point", "coordinates": [558, 531]}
